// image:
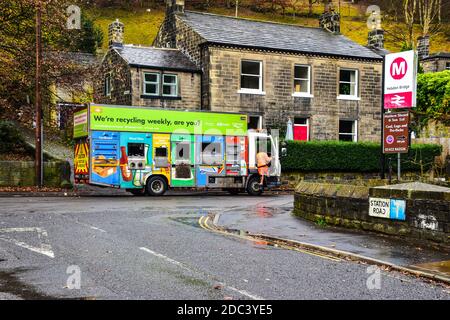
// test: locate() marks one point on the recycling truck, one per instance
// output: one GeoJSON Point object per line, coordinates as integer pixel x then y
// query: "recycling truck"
{"type": "Point", "coordinates": [148, 151]}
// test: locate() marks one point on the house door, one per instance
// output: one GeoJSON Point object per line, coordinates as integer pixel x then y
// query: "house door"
{"type": "Point", "coordinates": [301, 129]}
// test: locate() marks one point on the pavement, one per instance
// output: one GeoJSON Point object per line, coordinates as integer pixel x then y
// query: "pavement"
{"type": "Point", "coordinates": [124, 247]}
{"type": "Point", "coordinates": [279, 222]}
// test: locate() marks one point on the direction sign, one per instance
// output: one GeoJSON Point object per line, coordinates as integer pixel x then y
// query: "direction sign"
{"type": "Point", "coordinates": [396, 132]}
{"type": "Point", "coordinates": [400, 80]}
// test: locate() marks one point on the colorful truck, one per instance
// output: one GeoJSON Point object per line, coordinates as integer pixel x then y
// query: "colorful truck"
{"type": "Point", "coordinates": [148, 151]}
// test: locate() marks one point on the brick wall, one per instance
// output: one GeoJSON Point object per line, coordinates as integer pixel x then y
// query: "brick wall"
{"type": "Point", "coordinates": [427, 218]}
{"type": "Point", "coordinates": [323, 109]}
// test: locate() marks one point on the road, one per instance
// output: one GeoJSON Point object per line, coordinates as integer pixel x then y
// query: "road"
{"type": "Point", "coordinates": [154, 248]}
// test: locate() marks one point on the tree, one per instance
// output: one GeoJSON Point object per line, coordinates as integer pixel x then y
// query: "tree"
{"type": "Point", "coordinates": [17, 53]}
{"type": "Point", "coordinates": [429, 15]}
{"type": "Point", "coordinates": [433, 98]}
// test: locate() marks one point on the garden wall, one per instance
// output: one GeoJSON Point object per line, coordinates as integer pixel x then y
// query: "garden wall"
{"type": "Point", "coordinates": [22, 173]}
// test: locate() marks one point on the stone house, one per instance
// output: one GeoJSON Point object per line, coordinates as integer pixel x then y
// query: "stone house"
{"type": "Point", "coordinates": [328, 85]}
{"type": "Point", "coordinates": [146, 76]}
{"type": "Point", "coordinates": [434, 62]}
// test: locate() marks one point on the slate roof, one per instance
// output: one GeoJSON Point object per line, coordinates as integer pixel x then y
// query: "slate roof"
{"type": "Point", "coordinates": [443, 55]}
{"type": "Point", "coordinates": [158, 58]}
{"type": "Point", "coordinates": [218, 29]}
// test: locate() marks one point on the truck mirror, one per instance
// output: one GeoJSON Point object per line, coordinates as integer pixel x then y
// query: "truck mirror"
{"type": "Point", "coordinates": [283, 152]}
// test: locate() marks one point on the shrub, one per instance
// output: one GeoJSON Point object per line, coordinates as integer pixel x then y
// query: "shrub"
{"type": "Point", "coordinates": [352, 157]}
{"type": "Point", "coordinates": [11, 138]}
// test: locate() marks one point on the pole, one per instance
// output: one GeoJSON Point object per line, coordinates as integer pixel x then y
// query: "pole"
{"type": "Point", "coordinates": [237, 5]}
{"type": "Point", "coordinates": [382, 156]}
{"type": "Point", "coordinates": [398, 167]}
{"type": "Point", "coordinates": [38, 99]}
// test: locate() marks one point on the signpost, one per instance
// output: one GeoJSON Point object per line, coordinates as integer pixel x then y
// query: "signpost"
{"type": "Point", "coordinates": [399, 85]}
{"type": "Point", "coordinates": [400, 80]}
{"type": "Point", "coordinates": [395, 132]}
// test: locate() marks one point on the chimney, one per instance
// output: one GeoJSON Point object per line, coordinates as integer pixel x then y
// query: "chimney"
{"type": "Point", "coordinates": [423, 46]}
{"type": "Point", "coordinates": [375, 40]}
{"type": "Point", "coordinates": [330, 21]}
{"type": "Point", "coordinates": [115, 34]}
{"type": "Point", "coordinates": [175, 6]}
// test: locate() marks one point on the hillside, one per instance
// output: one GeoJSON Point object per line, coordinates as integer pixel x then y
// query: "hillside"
{"type": "Point", "coordinates": [141, 25]}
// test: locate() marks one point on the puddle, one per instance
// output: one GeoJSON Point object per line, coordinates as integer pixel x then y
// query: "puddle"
{"type": "Point", "coordinates": [442, 267]}
{"type": "Point", "coordinates": [189, 221]}
{"type": "Point", "coordinates": [10, 283]}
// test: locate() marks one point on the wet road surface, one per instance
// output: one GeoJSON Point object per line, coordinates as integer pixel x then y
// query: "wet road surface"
{"type": "Point", "coordinates": [154, 248]}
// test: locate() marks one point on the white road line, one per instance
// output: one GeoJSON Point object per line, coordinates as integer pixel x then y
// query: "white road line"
{"type": "Point", "coordinates": [44, 249]}
{"type": "Point", "coordinates": [181, 265]}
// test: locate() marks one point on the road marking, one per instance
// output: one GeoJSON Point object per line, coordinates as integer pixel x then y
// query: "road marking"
{"type": "Point", "coordinates": [181, 265]}
{"type": "Point", "coordinates": [44, 249]}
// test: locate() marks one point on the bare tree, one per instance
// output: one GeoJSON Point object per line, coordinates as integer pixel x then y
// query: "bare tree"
{"type": "Point", "coordinates": [429, 12]}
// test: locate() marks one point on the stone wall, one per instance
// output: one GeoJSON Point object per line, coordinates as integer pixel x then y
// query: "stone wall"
{"type": "Point", "coordinates": [277, 103]}
{"type": "Point", "coordinates": [121, 90]}
{"type": "Point", "coordinates": [434, 64]}
{"type": "Point", "coordinates": [22, 173]}
{"type": "Point", "coordinates": [427, 213]}
{"type": "Point", "coordinates": [368, 179]}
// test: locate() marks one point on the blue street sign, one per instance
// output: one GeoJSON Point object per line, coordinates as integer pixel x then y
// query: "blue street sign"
{"type": "Point", "coordinates": [397, 209]}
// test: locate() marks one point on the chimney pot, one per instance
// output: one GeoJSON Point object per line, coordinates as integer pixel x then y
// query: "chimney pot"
{"type": "Point", "coordinates": [115, 34]}
{"type": "Point", "coordinates": [330, 21]}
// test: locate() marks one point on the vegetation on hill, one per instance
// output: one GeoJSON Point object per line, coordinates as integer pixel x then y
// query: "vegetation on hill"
{"type": "Point", "coordinates": [143, 18]}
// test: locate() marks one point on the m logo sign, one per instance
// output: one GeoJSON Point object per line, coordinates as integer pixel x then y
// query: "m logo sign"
{"type": "Point", "coordinates": [400, 80]}
{"type": "Point", "coordinates": [398, 68]}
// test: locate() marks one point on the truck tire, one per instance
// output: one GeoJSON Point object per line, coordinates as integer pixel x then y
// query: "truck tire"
{"type": "Point", "coordinates": [156, 186]}
{"type": "Point", "coordinates": [253, 188]}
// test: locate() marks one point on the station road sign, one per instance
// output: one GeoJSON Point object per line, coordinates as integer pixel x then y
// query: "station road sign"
{"type": "Point", "coordinates": [396, 132]}
{"type": "Point", "coordinates": [400, 80]}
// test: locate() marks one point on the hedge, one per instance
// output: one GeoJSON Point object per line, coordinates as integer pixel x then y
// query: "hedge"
{"type": "Point", "coordinates": [352, 157]}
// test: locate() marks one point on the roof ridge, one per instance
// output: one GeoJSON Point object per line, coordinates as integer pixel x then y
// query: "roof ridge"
{"type": "Point", "coordinates": [255, 20]}
{"type": "Point", "coordinates": [149, 47]}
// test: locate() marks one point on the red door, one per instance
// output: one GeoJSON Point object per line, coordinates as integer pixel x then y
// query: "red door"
{"type": "Point", "coordinates": [301, 132]}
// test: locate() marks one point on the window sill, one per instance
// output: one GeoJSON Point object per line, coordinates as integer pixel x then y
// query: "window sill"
{"type": "Point", "coordinates": [148, 96]}
{"type": "Point", "coordinates": [352, 98]}
{"type": "Point", "coordinates": [302, 95]}
{"type": "Point", "coordinates": [257, 92]}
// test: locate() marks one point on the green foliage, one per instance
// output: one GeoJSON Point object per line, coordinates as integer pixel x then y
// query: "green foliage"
{"type": "Point", "coordinates": [91, 36]}
{"type": "Point", "coordinates": [11, 138]}
{"type": "Point", "coordinates": [352, 157]}
{"type": "Point", "coordinates": [433, 97]}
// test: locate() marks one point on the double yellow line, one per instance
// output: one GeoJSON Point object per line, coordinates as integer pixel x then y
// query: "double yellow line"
{"type": "Point", "coordinates": [203, 222]}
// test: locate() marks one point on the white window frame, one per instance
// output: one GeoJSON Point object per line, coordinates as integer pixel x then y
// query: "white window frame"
{"type": "Point", "coordinates": [259, 120]}
{"type": "Point", "coordinates": [107, 84]}
{"type": "Point", "coordinates": [303, 94]}
{"type": "Point", "coordinates": [260, 83]}
{"type": "Point", "coordinates": [163, 83]}
{"type": "Point", "coordinates": [355, 129]}
{"type": "Point", "coordinates": [447, 66]}
{"type": "Point", "coordinates": [349, 96]}
{"type": "Point", "coordinates": [158, 86]}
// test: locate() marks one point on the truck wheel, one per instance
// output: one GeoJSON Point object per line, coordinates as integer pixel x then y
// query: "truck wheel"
{"type": "Point", "coordinates": [156, 186]}
{"type": "Point", "coordinates": [253, 186]}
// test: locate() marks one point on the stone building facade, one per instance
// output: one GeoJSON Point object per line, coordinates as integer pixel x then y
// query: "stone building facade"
{"type": "Point", "coordinates": [436, 62]}
{"type": "Point", "coordinates": [147, 76]}
{"type": "Point", "coordinates": [343, 79]}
